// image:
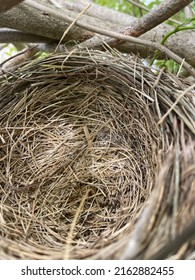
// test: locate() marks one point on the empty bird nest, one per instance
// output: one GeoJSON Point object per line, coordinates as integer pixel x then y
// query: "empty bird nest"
{"type": "Point", "coordinates": [97, 159]}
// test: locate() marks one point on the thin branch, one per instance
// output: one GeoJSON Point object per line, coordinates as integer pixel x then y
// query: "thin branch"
{"type": "Point", "coordinates": [121, 37]}
{"type": "Point", "coordinates": [162, 12]}
{"type": "Point", "coordinates": [175, 103]}
{"type": "Point", "coordinates": [73, 23]}
{"type": "Point", "coordinates": [13, 62]}
{"type": "Point", "coordinates": [47, 23]}
{"type": "Point", "coordinates": [155, 17]}
{"type": "Point", "coordinates": [118, 36]}
{"type": "Point", "coordinates": [148, 10]}
{"type": "Point", "coordinates": [107, 14]}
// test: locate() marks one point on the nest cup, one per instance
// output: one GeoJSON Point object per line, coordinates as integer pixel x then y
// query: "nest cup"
{"type": "Point", "coordinates": [96, 159]}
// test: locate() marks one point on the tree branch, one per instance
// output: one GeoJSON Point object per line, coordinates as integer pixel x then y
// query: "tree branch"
{"type": "Point", "coordinates": [12, 36]}
{"type": "Point", "coordinates": [155, 17]}
{"type": "Point", "coordinates": [8, 4]}
{"type": "Point", "coordinates": [46, 24]}
{"type": "Point", "coordinates": [162, 12]}
{"type": "Point", "coordinates": [137, 4]}
{"type": "Point", "coordinates": [121, 37]}
{"type": "Point", "coordinates": [43, 20]}
{"type": "Point", "coordinates": [13, 62]}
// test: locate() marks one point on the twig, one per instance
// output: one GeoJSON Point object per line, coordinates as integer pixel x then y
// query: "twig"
{"type": "Point", "coordinates": [116, 35]}
{"type": "Point", "coordinates": [42, 24]}
{"type": "Point", "coordinates": [175, 103]}
{"type": "Point", "coordinates": [12, 62]}
{"type": "Point", "coordinates": [148, 10]}
{"type": "Point", "coordinates": [156, 16]}
{"type": "Point", "coordinates": [73, 23]}
{"type": "Point", "coordinates": [73, 224]}
{"type": "Point", "coordinates": [131, 39]}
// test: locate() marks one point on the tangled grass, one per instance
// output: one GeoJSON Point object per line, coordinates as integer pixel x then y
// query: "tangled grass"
{"type": "Point", "coordinates": [96, 159]}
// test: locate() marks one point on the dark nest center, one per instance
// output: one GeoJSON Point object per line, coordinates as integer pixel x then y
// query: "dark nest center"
{"type": "Point", "coordinates": [78, 156]}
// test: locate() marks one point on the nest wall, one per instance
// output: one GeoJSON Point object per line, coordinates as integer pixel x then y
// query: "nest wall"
{"type": "Point", "coordinates": [89, 168]}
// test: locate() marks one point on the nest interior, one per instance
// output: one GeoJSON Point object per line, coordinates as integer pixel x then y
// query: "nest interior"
{"type": "Point", "coordinates": [82, 154]}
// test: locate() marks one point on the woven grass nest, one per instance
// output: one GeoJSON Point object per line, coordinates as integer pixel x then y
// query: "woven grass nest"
{"type": "Point", "coordinates": [97, 159]}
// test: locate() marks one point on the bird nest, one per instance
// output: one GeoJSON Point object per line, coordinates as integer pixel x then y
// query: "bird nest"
{"type": "Point", "coordinates": [96, 159]}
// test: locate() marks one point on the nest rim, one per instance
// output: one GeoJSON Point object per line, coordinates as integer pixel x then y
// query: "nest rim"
{"type": "Point", "coordinates": [91, 99]}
